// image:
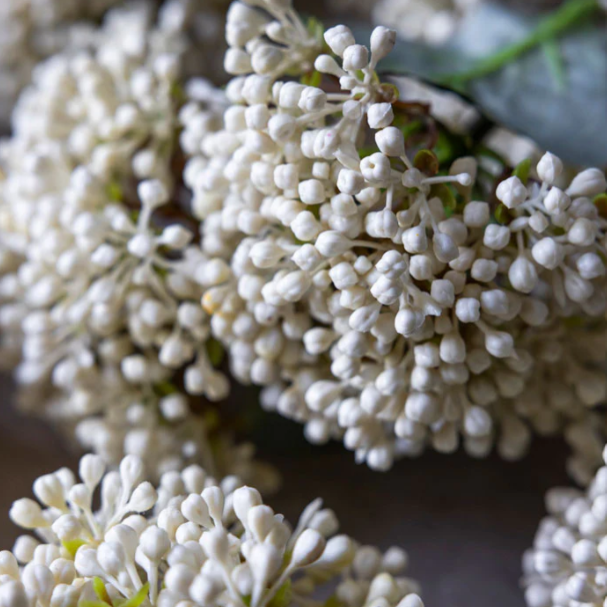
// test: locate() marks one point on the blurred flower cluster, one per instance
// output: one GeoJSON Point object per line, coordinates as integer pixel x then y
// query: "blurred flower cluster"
{"type": "Point", "coordinates": [568, 562]}
{"type": "Point", "coordinates": [32, 30]}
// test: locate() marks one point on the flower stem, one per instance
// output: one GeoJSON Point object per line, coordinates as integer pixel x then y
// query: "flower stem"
{"type": "Point", "coordinates": [570, 14]}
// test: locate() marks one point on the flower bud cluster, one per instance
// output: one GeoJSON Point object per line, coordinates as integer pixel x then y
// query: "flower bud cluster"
{"type": "Point", "coordinates": [100, 294]}
{"type": "Point", "coordinates": [191, 539]}
{"type": "Point", "coordinates": [431, 21]}
{"type": "Point", "coordinates": [377, 300]}
{"type": "Point", "coordinates": [568, 562]}
{"type": "Point", "coordinates": [32, 31]}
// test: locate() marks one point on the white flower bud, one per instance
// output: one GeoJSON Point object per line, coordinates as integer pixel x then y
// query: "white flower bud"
{"type": "Point", "coordinates": [442, 292]}
{"type": "Point", "coordinates": [511, 192]}
{"type": "Point", "coordinates": [308, 548]}
{"type": "Point", "coordinates": [556, 201]}
{"type": "Point", "coordinates": [356, 57]}
{"type": "Point", "coordinates": [476, 214]}
{"type": "Point", "coordinates": [549, 168]}
{"type": "Point", "coordinates": [350, 182]}
{"type": "Point", "coordinates": [523, 275]}
{"type": "Point", "coordinates": [423, 408]}
{"type": "Point", "coordinates": [282, 127]}
{"type": "Point", "coordinates": [152, 193]}
{"type": "Point", "coordinates": [499, 344]}
{"type": "Point", "coordinates": [376, 169]}
{"type": "Point", "coordinates": [382, 42]}
{"type": "Point", "coordinates": [415, 239]}
{"type": "Point", "coordinates": [467, 310]}
{"type": "Point", "coordinates": [588, 183]}
{"type": "Point", "coordinates": [380, 115]}
{"type": "Point", "coordinates": [27, 514]}
{"type": "Point", "coordinates": [583, 232]}
{"type": "Point", "coordinates": [331, 243]}
{"type": "Point", "coordinates": [548, 253]}
{"type": "Point", "coordinates": [312, 100]}
{"type": "Point", "coordinates": [408, 321]}
{"type": "Point", "coordinates": [452, 348]}
{"type": "Point", "coordinates": [339, 38]}
{"type": "Point", "coordinates": [496, 237]}
{"type": "Point", "coordinates": [444, 247]}
{"type": "Point", "coordinates": [322, 394]}
{"type": "Point", "coordinates": [590, 266]}
{"type": "Point", "coordinates": [391, 141]}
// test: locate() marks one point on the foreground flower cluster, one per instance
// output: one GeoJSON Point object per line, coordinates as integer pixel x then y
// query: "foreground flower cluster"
{"type": "Point", "coordinates": [379, 297]}
{"type": "Point", "coordinates": [568, 563]}
{"type": "Point", "coordinates": [191, 539]}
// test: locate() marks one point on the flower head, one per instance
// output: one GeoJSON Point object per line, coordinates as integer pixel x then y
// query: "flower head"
{"type": "Point", "coordinates": [191, 539]}
{"type": "Point", "coordinates": [566, 565]}
{"type": "Point", "coordinates": [378, 299]}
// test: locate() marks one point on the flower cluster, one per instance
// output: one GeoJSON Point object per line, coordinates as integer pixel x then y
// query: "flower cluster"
{"type": "Point", "coordinates": [100, 289]}
{"type": "Point", "coordinates": [431, 21]}
{"type": "Point", "coordinates": [192, 540]}
{"type": "Point", "coordinates": [567, 564]}
{"type": "Point", "coordinates": [377, 297]}
{"type": "Point", "coordinates": [31, 31]}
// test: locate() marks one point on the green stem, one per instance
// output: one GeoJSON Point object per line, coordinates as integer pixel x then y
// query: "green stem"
{"type": "Point", "coordinates": [571, 13]}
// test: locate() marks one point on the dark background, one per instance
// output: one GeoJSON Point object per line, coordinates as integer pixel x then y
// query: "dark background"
{"type": "Point", "coordinates": [464, 522]}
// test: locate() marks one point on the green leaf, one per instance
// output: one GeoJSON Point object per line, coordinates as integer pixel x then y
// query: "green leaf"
{"type": "Point", "coordinates": [215, 351]}
{"type": "Point", "coordinates": [443, 192]}
{"type": "Point", "coordinates": [72, 546]}
{"type": "Point", "coordinates": [282, 598]}
{"type": "Point", "coordinates": [600, 202]}
{"type": "Point", "coordinates": [137, 599]}
{"type": "Point", "coordinates": [521, 95]}
{"type": "Point", "coordinates": [522, 170]}
{"type": "Point", "coordinates": [114, 191]}
{"type": "Point", "coordinates": [86, 603]}
{"type": "Point", "coordinates": [367, 151]}
{"type": "Point", "coordinates": [502, 215]}
{"type": "Point", "coordinates": [427, 162]}
{"type": "Point", "coordinates": [554, 58]}
{"type": "Point", "coordinates": [100, 590]}
{"type": "Point", "coordinates": [312, 78]}
{"type": "Point", "coordinates": [316, 29]}
{"type": "Point", "coordinates": [332, 601]}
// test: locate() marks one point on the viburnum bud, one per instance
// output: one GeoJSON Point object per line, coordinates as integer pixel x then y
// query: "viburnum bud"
{"type": "Point", "coordinates": [548, 253]}
{"type": "Point", "coordinates": [582, 232]}
{"type": "Point", "coordinates": [308, 548]}
{"type": "Point", "coordinates": [382, 42]}
{"type": "Point", "coordinates": [339, 38]}
{"type": "Point", "coordinates": [380, 115]}
{"type": "Point", "coordinates": [391, 141]}
{"type": "Point", "coordinates": [512, 192]}
{"type": "Point", "coordinates": [356, 57]}
{"type": "Point", "coordinates": [588, 183]}
{"type": "Point", "coordinates": [556, 201]}
{"type": "Point", "coordinates": [549, 168]}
